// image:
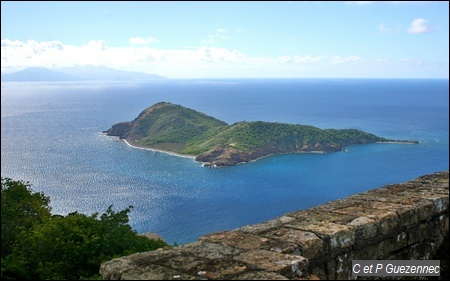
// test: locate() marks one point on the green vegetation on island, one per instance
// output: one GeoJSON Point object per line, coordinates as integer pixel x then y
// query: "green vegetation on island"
{"type": "Point", "coordinates": [178, 129]}
{"type": "Point", "coordinates": [37, 245]}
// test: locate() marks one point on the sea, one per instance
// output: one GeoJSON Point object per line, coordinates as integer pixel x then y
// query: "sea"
{"type": "Point", "coordinates": [51, 137]}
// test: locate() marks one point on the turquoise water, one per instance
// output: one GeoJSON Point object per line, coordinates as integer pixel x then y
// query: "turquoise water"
{"type": "Point", "coordinates": [51, 136]}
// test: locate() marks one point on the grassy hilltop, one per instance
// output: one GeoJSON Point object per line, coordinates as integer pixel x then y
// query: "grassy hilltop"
{"type": "Point", "coordinates": [178, 129]}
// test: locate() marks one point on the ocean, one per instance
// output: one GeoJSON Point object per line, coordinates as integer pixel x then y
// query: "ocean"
{"type": "Point", "coordinates": [51, 137]}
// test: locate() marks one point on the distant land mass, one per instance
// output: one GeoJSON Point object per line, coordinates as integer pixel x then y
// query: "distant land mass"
{"type": "Point", "coordinates": [174, 128]}
{"type": "Point", "coordinates": [76, 73]}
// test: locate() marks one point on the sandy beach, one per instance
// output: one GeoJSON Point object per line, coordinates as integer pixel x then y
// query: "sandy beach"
{"type": "Point", "coordinates": [158, 150]}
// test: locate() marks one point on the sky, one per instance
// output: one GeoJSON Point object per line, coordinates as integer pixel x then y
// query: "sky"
{"type": "Point", "coordinates": [231, 39]}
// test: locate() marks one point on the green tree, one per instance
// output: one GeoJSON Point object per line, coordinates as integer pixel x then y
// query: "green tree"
{"type": "Point", "coordinates": [64, 247]}
{"type": "Point", "coordinates": [21, 210]}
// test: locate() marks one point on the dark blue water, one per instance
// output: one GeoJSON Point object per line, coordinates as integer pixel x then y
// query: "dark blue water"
{"type": "Point", "coordinates": [51, 137]}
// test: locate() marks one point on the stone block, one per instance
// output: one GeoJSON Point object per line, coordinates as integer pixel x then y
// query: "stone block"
{"type": "Point", "coordinates": [334, 205]}
{"type": "Point", "coordinates": [427, 205]}
{"type": "Point", "coordinates": [271, 261]}
{"type": "Point", "coordinates": [336, 217]}
{"type": "Point", "coordinates": [343, 269]}
{"type": "Point", "coordinates": [208, 250]}
{"type": "Point", "coordinates": [152, 272]}
{"type": "Point", "coordinates": [418, 251]}
{"type": "Point", "coordinates": [308, 244]}
{"type": "Point", "coordinates": [372, 252]}
{"type": "Point", "coordinates": [261, 227]}
{"type": "Point", "coordinates": [441, 226]}
{"type": "Point", "coordinates": [365, 230]}
{"type": "Point", "coordinates": [139, 259]}
{"type": "Point", "coordinates": [259, 275]}
{"type": "Point", "coordinates": [393, 244]}
{"type": "Point", "coordinates": [187, 263]}
{"type": "Point", "coordinates": [319, 271]}
{"type": "Point", "coordinates": [387, 222]}
{"type": "Point", "coordinates": [440, 201]}
{"type": "Point", "coordinates": [283, 247]}
{"type": "Point", "coordinates": [222, 270]}
{"type": "Point", "coordinates": [421, 232]}
{"type": "Point", "coordinates": [335, 236]}
{"type": "Point", "coordinates": [236, 239]}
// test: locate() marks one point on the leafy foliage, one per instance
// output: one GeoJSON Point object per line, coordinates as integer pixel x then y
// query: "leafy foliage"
{"type": "Point", "coordinates": [247, 136]}
{"type": "Point", "coordinates": [165, 122]}
{"type": "Point", "coordinates": [62, 247]}
{"type": "Point", "coordinates": [21, 210]}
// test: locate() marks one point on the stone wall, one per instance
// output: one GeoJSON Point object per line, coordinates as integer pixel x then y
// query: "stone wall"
{"type": "Point", "coordinates": [398, 221]}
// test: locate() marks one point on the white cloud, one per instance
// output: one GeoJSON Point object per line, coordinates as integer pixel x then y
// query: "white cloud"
{"type": "Point", "coordinates": [384, 29]}
{"type": "Point", "coordinates": [301, 60]}
{"type": "Point", "coordinates": [419, 25]}
{"type": "Point", "coordinates": [339, 59]}
{"type": "Point", "coordinates": [409, 2]}
{"type": "Point", "coordinates": [98, 45]}
{"type": "Point", "coordinates": [17, 55]}
{"type": "Point", "coordinates": [425, 62]}
{"type": "Point", "coordinates": [143, 41]}
{"type": "Point", "coordinates": [359, 2]}
{"type": "Point", "coordinates": [415, 62]}
{"type": "Point", "coordinates": [215, 38]}
{"type": "Point", "coordinates": [205, 61]}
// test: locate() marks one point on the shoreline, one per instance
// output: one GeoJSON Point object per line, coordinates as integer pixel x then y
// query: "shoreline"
{"type": "Point", "coordinates": [208, 164]}
{"type": "Point", "coordinates": [399, 142]}
{"type": "Point", "coordinates": [157, 150]}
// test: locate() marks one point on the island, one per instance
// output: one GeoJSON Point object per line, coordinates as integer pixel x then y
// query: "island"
{"type": "Point", "coordinates": [173, 128]}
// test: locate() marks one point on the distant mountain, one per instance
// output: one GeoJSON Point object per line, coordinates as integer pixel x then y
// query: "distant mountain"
{"type": "Point", "coordinates": [76, 73]}
{"type": "Point", "coordinates": [105, 73]}
{"type": "Point", "coordinates": [37, 74]}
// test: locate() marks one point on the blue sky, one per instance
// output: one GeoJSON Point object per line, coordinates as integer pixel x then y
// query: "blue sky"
{"type": "Point", "coordinates": [360, 39]}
